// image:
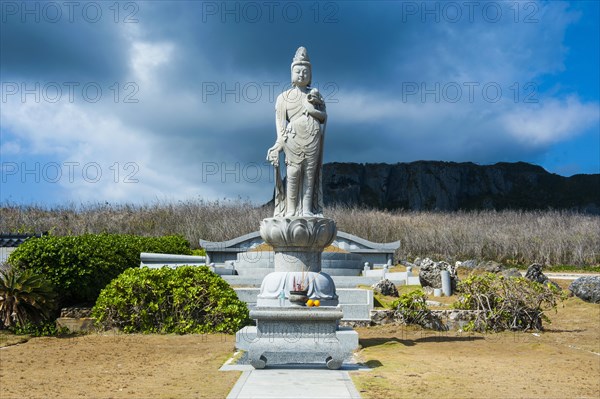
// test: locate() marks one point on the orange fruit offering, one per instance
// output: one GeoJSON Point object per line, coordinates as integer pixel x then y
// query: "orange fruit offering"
{"type": "Point", "coordinates": [310, 303]}
{"type": "Point", "coordinates": [316, 302]}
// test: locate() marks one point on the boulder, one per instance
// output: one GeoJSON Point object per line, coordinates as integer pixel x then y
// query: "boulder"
{"type": "Point", "coordinates": [512, 272]}
{"type": "Point", "coordinates": [586, 288]}
{"type": "Point", "coordinates": [490, 266]}
{"type": "Point", "coordinates": [385, 287]}
{"type": "Point", "coordinates": [468, 264]}
{"type": "Point", "coordinates": [384, 316]}
{"type": "Point", "coordinates": [534, 273]}
{"type": "Point", "coordinates": [430, 273]}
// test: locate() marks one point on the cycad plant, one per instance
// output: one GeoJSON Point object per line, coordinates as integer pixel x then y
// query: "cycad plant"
{"type": "Point", "coordinates": [24, 298]}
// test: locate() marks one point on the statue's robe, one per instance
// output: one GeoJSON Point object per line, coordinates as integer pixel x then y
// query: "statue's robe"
{"type": "Point", "coordinates": [302, 138]}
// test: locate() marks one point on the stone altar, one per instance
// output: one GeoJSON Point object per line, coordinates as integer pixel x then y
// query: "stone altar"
{"type": "Point", "coordinates": [286, 330]}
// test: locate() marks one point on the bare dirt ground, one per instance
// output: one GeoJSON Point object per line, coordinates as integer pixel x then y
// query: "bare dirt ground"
{"type": "Point", "coordinates": [118, 366]}
{"type": "Point", "coordinates": [561, 362]}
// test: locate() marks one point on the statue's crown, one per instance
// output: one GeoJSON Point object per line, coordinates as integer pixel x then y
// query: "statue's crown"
{"type": "Point", "coordinates": [301, 57]}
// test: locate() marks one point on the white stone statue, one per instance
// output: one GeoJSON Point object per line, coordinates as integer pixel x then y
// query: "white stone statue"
{"type": "Point", "coordinates": [298, 232]}
{"type": "Point", "coordinates": [300, 121]}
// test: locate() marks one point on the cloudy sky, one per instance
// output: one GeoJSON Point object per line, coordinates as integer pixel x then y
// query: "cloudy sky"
{"type": "Point", "coordinates": [164, 101]}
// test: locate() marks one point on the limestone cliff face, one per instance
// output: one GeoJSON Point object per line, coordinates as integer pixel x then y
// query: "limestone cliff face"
{"type": "Point", "coordinates": [430, 185]}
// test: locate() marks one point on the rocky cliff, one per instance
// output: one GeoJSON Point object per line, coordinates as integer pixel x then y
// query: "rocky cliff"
{"type": "Point", "coordinates": [430, 185]}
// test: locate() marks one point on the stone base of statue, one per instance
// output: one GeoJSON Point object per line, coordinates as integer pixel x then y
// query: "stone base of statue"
{"type": "Point", "coordinates": [287, 331]}
{"type": "Point", "coordinates": [297, 335]}
{"type": "Point", "coordinates": [298, 243]}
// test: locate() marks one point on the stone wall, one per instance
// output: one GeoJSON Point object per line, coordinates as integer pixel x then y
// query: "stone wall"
{"type": "Point", "coordinates": [454, 319]}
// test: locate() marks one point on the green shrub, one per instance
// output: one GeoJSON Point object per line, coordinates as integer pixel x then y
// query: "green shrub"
{"type": "Point", "coordinates": [187, 299]}
{"type": "Point", "coordinates": [46, 328]}
{"type": "Point", "coordinates": [80, 266]}
{"type": "Point", "coordinates": [506, 303]}
{"type": "Point", "coordinates": [26, 299]}
{"type": "Point", "coordinates": [199, 252]}
{"type": "Point", "coordinates": [411, 308]}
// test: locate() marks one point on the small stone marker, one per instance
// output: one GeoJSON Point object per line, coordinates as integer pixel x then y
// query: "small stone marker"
{"type": "Point", "coordinates": [446, 283]}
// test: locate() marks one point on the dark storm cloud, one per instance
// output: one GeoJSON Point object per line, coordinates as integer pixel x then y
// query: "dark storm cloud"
{"type": "Point", "coordinates": [343, 43]}
{"type": "Point", "coordinates": [61, 51]}
{"type": "Point", "coordinates": [365, 55]}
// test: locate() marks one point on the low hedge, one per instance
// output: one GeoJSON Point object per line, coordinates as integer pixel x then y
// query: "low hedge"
{"type": "Point", "coordinates": [79, 267]}
{"type": "Point", "coordinates": [188, 299]}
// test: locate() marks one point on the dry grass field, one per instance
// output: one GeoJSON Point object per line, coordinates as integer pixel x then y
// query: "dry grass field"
{"type": "Point", "coordinates": [512, 237]}
{"type": "Point", "coordinates": [561, 362]}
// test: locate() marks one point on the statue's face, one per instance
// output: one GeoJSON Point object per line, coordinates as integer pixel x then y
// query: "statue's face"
{"type": "Point", "coordinates": [301, 75]}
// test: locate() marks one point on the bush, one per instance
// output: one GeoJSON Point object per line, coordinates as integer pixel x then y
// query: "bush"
{"type": "Point", "coordinates": [184, 300]}
{"type": "Point", "coordinates": [507, 303]}
{"type": "Point", "coordinates": [45, 328]}
{"type": "Point", "coordinates": [199, 252]}
{"type": "Point", "coordinates": [26, 299]}
{"type": "Point", "coordinates": [411, 308]}
{"type": "Point", "coordinates": [80, 266]}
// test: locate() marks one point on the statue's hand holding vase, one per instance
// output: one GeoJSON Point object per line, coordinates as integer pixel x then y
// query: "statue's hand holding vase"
{"type": "Point", "coordinates": [312, 107]}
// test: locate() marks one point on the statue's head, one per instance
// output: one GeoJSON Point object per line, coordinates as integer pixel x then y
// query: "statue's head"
{"type": "Point", "coordinates": [301, 68]}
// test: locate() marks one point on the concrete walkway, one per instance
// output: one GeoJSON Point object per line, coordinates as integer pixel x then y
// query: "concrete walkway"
{"type": "Point", "coordinates": [294, 382]}
{"type": "Point", "coordinates": [567, 275]}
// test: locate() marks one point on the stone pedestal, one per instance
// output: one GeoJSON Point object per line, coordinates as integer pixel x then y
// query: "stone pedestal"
{"type": "Point", "coordinates": [298, 243]}
{"type": "Point", "coordinates": [292, 334]}
{"type": "Point", "coordinates": [298, 335]}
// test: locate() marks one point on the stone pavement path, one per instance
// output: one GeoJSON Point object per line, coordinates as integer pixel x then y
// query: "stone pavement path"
{"type": "Point", "coordinates": [294, 382]}
{"type": "Point", "coordinates": [567, 275]}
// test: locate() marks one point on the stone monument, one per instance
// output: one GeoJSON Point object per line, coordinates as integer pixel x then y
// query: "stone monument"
{"type": "Point", "coordinates": [287, 330]}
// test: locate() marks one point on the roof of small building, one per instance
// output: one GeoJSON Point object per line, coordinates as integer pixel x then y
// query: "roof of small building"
{"type": "Point", "coordinates": [11, 240]}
